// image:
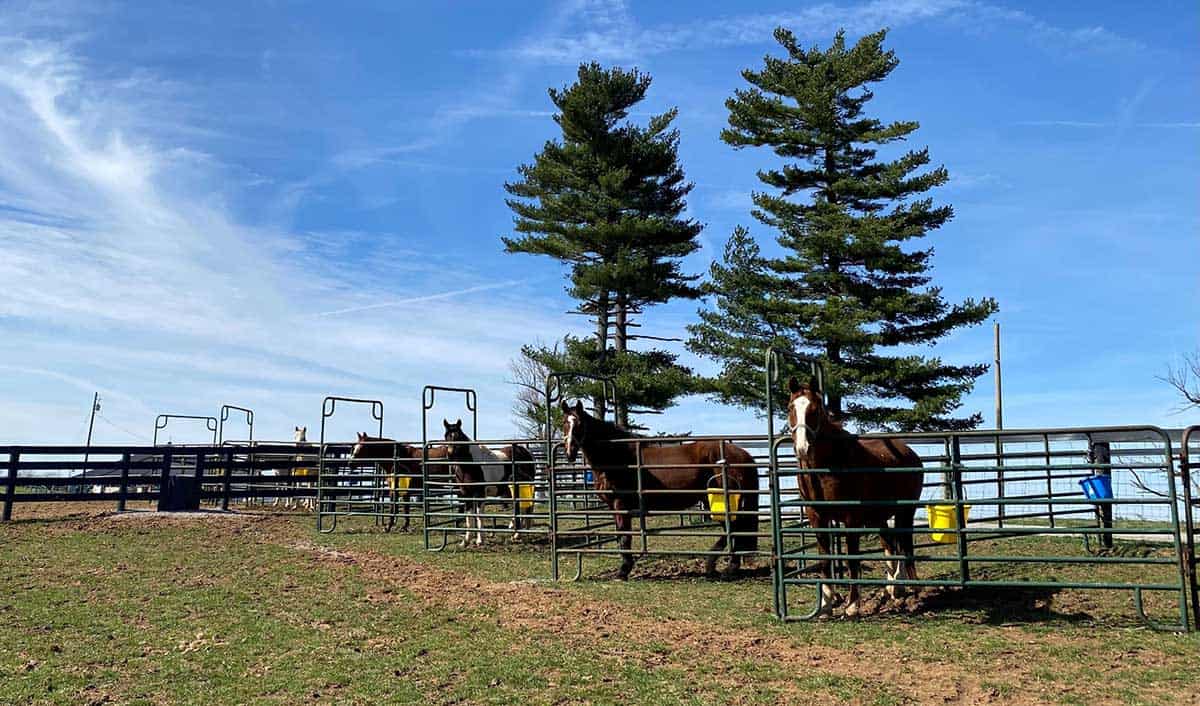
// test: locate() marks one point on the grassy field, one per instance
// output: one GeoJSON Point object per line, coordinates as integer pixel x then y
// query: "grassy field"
{"type": "Point", "coordinates": [98, 608]}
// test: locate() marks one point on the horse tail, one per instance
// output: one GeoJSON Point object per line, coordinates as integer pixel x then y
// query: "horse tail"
{"type": "Point", "coordinates": [744, 473]}
{"type": "Point", "coordinates": [524, 464]}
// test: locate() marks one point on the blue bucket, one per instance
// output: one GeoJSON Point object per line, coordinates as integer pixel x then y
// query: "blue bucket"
{"type": "Point", "coordinates": [1097, 487]}
{"type": "Point", "coordinates": [587, 476]}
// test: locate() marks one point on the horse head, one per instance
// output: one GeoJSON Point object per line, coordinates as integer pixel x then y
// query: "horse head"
{"type": "Point", "coordinates": [807, 417]}
{"type": "Point", "coordinates": [299, 435]}
{"type": "Point", "coordinates": [363, 446]}
{"type": "Point", "coordinates": [574, 429]}
{"type": "Point", "coordinates": [456, 451]}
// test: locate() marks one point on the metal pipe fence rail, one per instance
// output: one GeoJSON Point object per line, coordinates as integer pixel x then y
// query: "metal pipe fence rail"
{"type": "Point", "coordinates": [524, 509]}
{"type": "Point", "coordinates": [1012, 514]}
{"type": "Point", "coordinates": [1189, 480]}
{"type": "Point", "coordinates": [583, 525]}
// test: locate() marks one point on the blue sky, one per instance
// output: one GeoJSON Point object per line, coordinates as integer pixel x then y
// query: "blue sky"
{"type": "Point", "coordinates": [264, 203]}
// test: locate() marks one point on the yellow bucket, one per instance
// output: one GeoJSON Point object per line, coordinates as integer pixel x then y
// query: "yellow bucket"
{"type": "Point", "coordinates": [524, 491]}
{"type": "Point", "coordinates": [401, 482]}
{"type": "Point", "coordinates": [716, 503]}
{"type": "Point", "coordinates": [944, 517]}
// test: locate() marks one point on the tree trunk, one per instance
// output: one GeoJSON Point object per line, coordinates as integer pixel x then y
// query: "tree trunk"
{"type": "Point", "coordinates": [621, 341]}
{"type": "Point", "coordinates": [601, 345]}
{"type": "Point", "coordinates": [833, 353]}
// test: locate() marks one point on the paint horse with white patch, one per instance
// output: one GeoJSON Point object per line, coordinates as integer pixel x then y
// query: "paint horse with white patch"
{"type": "Point", "coordinates": [838, 461]}
{"type": "Point", "coordinates": [478, 470]}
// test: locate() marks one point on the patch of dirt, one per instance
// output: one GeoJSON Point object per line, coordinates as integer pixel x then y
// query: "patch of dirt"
{"type": "Point", "coordinates": [636, 636]}
{"type": "Point", "coordinates": [532, 611]}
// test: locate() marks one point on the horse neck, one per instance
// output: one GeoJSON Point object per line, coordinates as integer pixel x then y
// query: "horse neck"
{"type": "Point", "coordinates": [600, 447]}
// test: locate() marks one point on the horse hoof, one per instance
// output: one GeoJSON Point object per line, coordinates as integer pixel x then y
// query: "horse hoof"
{"type": "Point", "coordinates": [853, 611]}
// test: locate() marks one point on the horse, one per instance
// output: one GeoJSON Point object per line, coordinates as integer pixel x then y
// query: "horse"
{"type": "Point", "coordinates": [821, 443]}
{"type": "Point", "coordinates": [692, 466]}
{"type": "Point", "coordinates": [291, 502]}
{"type": "Point", "coordinates": [477, 469]}
{"type": "Point", "coordinates": [400, 461]}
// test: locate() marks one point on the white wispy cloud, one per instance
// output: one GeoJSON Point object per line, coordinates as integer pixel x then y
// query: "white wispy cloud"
{"type": "Point", "coordinates": [124, 271]}
{"type": "Point", "coordinates": [606, 30]}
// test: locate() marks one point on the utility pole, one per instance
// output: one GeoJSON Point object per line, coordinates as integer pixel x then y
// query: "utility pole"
{"type": "Point", "coordinates": [91, 423]}
{"type": "Point", "coordinates": [999, 391]}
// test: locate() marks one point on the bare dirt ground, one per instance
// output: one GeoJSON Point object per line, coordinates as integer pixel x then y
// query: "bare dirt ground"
{"type": "Point", "coordinates": [531, 612]}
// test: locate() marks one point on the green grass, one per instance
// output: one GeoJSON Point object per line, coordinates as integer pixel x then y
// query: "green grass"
{"type": "Point", "coordinates": [116, 611]}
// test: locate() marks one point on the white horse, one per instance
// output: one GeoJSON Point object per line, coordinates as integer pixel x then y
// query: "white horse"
{"type": "Point", "coordinates": [299, 436]}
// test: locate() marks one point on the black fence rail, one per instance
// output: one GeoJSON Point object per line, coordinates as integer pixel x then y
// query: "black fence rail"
{"type": "Point", "coordinates": [220, 475]}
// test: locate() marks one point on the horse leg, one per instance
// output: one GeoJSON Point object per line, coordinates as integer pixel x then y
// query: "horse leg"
{"type": "Point", "coordinates": [710, 564]}
{"type": "Point", "coordinates": [624, 524]}
{"type": "Point", "coordinates": [905, 542]}
{"type": "Point", "coordinates": [829, 597]}
{"type": "Point", "coordinates": [467, 507]}
{"type": "Point", "coordinates": [855, 565]}
{"type": "Point", "coordinates": [479, 523]}
{"type": "Point", "coordinates": [407, 512]}
{"type": "Point", "coordinates": [890, 541]}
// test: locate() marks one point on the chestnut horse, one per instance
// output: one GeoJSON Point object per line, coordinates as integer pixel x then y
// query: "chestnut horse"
{"type": "Point", "coordinates": [478, 469]}
{"type": "Point", "coordinates": [691, 466]}
{"type": "Point", "coordinates": [398, 460]}
{"type": "Point", "coordinates": [821, 443]}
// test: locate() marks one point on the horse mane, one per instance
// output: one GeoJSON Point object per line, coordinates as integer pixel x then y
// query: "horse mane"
{"type": "Point", "coordinates": [605, 430]}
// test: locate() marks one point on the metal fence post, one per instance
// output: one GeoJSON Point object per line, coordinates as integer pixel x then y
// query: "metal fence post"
{"type": "Point", "coordinates": [10, 486]}
{"type": "Point", "coordinates": [1101, 455]}
{"type": "Point", "coordinates": [964, 567]}
{"type": "Point", "coordinates": [226, 486]}
{"type": "Point", "coordinates": [164, 479]}
{"type": "Point", "coordinates": [124, 493]}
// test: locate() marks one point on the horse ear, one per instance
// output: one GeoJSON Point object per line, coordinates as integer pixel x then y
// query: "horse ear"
{"type": "Point", "coordinates": [793, 385]}
{"type": "Point", "coordinates": [361, 435]}
{"type": "Point", "coordinates": [458, 423]}
{"type": "Point", "coordinates": [812, 385]}
{"type": "Point", "coordinates": [579, 408]}
{"type": "Point", "coordinates": [297, 429]}
{"type": "Point", "coordinates": [564, 406]}
{"type": "Point", "coordinates": [446, 424]}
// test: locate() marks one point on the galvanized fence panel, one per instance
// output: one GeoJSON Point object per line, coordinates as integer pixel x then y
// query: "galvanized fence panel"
{"type": "Point", "coordinates": [1018, 518]}
{"type": "Point", "coordinates": [516, 510]}
{"type": "Point", "coordinates": [584, 525]}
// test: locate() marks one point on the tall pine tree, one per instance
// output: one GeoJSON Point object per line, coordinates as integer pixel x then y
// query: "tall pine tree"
{"type": "Point", "coordinates": [850, 287]}
{"type": "Point", "coordinates": [607, 200]}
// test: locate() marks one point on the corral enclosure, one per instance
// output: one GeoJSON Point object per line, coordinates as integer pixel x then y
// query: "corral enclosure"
{"type": "Point", "coordinates": [1029, 525]}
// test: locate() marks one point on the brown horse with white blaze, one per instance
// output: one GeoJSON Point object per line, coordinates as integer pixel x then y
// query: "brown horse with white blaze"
{"type": "Point", "coordinates": [690, 466]}
{"type": "Point", "coordinates": [836, 455]}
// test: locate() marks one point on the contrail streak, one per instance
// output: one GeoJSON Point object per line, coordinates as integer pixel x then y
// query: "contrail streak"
{"type": "Point", "coordinates": [421, 299]}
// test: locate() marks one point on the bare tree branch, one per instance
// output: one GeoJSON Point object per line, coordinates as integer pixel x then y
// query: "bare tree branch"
{"type": "Point", "coordinates": [1185, 378]}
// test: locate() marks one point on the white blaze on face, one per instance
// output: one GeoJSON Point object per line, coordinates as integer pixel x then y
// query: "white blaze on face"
{"type": "Point", "coordinates": [569, 442]}
{"type": "Point", "coordinates": [799, 432]}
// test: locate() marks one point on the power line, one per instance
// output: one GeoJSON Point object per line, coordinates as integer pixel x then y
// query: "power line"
{"type": "Point", "coordinates": [123, 429]}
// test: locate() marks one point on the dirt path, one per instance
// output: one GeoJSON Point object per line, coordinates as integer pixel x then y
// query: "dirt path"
{"type": "Point", "coordinates": [618, 632]}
